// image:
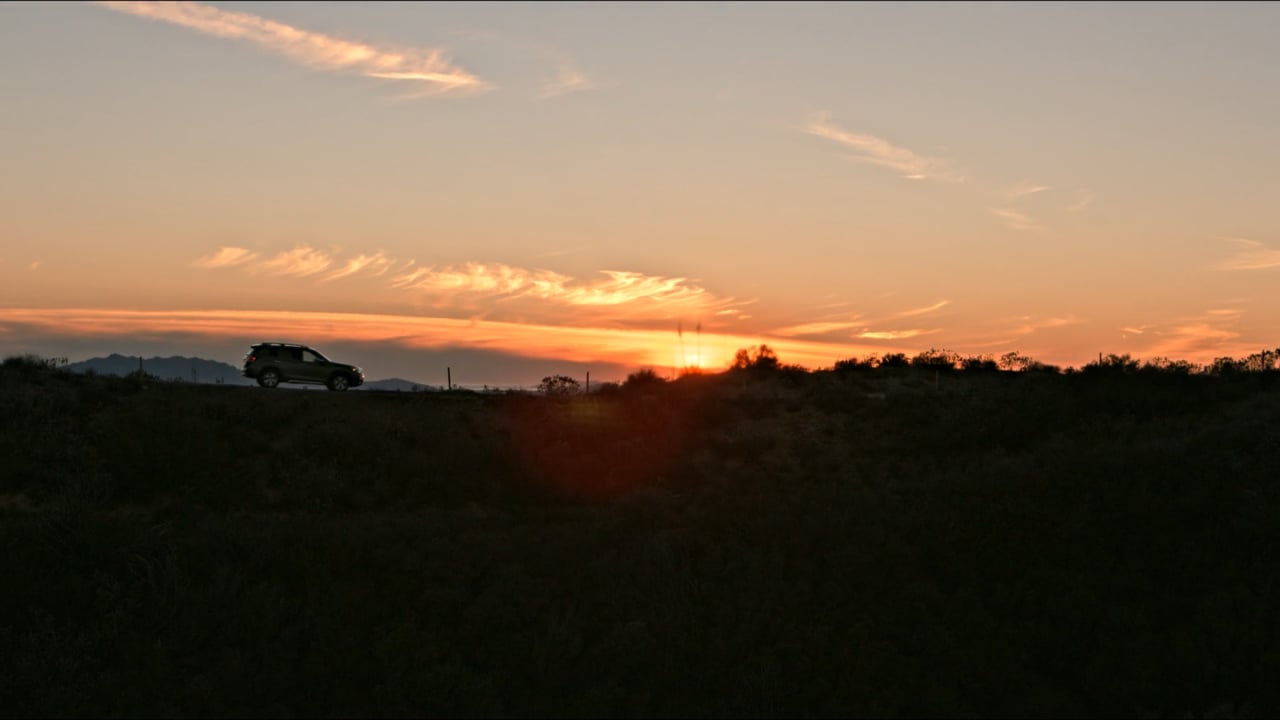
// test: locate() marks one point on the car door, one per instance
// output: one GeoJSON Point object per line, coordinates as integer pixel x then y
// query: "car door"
{"type": "Point", "coordinates": [312, 367]}
{"type": "Point", "coordinates": [290, 363]}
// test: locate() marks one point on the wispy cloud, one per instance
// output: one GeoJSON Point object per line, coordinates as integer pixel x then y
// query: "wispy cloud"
{"type": "Point", "coordinates": [814, 328]}
{"type": "Point", "coordinates": [568, 79]}
{"type": "Point", "coordinates": [624, 287]}
{"type": "Point", "coordinates": [376, 264]}
{"type": "Point", "coordinates": [878, 151]}
{"type": "Point", "coordinates": [1083, 199]}
{"type": "Point", "coordinates": [1252, 255]}
{"type": "Point", "coordinates": [894, 334]}
{"type": "Point", "coordinates": [300, 261]}
{"type": "Point", "coordinates": [617, 296]}
{"type": "Point", "coordinates": [923, 310]}
{"type": "Point", "coordinates": [429, 68]}
{"type": "Point", "coordinates": [1199, 338]}
{"type": "Point", "coordinates": [226, 257]}
{"type": "Point", "coordinates": [1030, 325]}
{"type": "Point", "coordinates": [1024, 188]}
{"type": "Point", "coordinates": [493, 279]}
{"type": "Point", "coordinates": [1016, 220]}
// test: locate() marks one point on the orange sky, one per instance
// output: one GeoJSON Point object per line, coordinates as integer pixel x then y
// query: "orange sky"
{"type": "Point", "coordinates": [595, 183]}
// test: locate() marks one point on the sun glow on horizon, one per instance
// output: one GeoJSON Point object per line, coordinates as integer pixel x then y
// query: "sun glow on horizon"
{"type": "Point", "coordinates": [620, 346]}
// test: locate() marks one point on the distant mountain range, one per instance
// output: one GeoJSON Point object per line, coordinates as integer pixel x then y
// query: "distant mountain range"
{"type": "Point", "coordinates": [200, 370]}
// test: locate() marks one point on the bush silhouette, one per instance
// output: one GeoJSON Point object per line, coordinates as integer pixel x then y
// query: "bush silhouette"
{"type": "Point", "coordinates": [760, 357]}
{"type": "Point", "coordinates": [558, 385]}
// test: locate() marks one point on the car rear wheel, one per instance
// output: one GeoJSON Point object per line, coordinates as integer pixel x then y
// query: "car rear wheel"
{"type": "Point", "coordinates": [339, 383]}
{"type": "Point", "coordinates": [269, 378]}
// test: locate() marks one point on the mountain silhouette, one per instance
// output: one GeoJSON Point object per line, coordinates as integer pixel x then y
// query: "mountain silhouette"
{"type": "Point", "coordinates": [187, 369]}
{"type": "Point", "coordinates": [203, 371]}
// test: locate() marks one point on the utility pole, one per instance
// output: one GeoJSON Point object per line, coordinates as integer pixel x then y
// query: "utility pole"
{"type": "Point", "coordinates": [449, 376]}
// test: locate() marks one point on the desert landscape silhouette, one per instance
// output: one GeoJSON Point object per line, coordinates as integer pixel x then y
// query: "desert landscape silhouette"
{"type": "Point", "coordinates": [886, 537]}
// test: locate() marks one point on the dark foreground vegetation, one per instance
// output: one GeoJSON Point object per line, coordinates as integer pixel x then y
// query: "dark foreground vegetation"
{"type": "Point", "coordinates": [887, 538]}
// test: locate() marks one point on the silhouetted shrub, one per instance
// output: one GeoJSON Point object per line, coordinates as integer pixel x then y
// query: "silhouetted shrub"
{"type": "Point", "coordinates": [979, 364]}
{"type": "Point", "coordinates": [894, 360]}
{"type": "Point", "coordinates": [934, 359]}
{"type": "Point", "coordinates": [760, 357]}
{"type": "Point", "coordinates": [853, 364]}
{"type": "Point", "coordinates": [643, 378]}
{"type": "Point", "coordinates": [558, 385]}
{"type": "Point", "coordinates": [30, 362]}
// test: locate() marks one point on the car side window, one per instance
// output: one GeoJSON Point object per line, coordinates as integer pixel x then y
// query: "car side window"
{"type": "Point", "coordinates": [310, 357]}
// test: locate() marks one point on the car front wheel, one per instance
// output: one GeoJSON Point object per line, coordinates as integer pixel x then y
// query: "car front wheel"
{"type": "Point", "coordinates": [269, 378]}
{"type": "Point", "coordinates": [339, 383]}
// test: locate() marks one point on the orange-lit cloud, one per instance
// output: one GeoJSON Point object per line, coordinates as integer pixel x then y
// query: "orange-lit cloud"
{"type": "Point", "coordinates": [1252, 255]}
{"type": "Point", "coordinates": [493, 279]}
{"type": "Point", "coordinates": [226, 257]}
{"type": "Point", "coordinates": [376, 264]}
{"type": "Point", "coordinates": [618, 296]}
{"type": "Point", "coordinates": [1200, 337]}
{"type": "Point", "coordinates": [923, 310]}
{"type": "Point", "coordinates": [895, 334]}
{"type": "Point", "coordinates": [300, 261]}
{"type": "Point", "coordinates": [815, 328]}
{"type": "Point", "coordinates": [878, 151]}
{"type": "Point", "coordinates": [428, 67]}
{"type": "Point", "coordinates": [1030, 325]}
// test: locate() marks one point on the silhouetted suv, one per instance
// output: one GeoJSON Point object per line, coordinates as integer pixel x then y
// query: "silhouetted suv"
{"type": "Point", "coordinates": [274, 363]}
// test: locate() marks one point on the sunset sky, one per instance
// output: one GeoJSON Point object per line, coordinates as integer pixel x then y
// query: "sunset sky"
{"type": "Point", "coordinates": [516, 189]}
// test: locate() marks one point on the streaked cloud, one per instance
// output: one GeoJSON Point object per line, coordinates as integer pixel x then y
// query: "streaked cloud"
{"type": "Point", "coordinates": [568, 79]}
{"type": "Point", "coordinates": [923, 310]}
{"type": "Point", "coordinates": [815, 328]}
{"type": "Point", "coordinates": [300, 261]}
{"type": "Point", "coordinates": [1023, 189]}
{"type": "Point", "coordinates": [1199, 337]}
{"type": "Point", "coordinates": [1083, 199]}
{"type": "Point", "coordinates": [483, 278]}
{"type": "Point", "coordinates": [895, 334]}
{"type": "Point", "coordinates": [1031, 325]}
{"type": "Point", "coordinates": [1251, 255]}
{"type": "Point", "coordinates": [226, 257]}
{"type": "Point", "coordinates": [624, 287]}
{"type": "Point", "coordinates": [427, 67]}
{"type": "Point", "coordinates": [878, 151]}
{"type": "Point", "coordinates": [475, 287]}
{"type": "Point", "coordinates": [1016, 220]}
{"type": "Point", "coordinates": [376, 264]}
